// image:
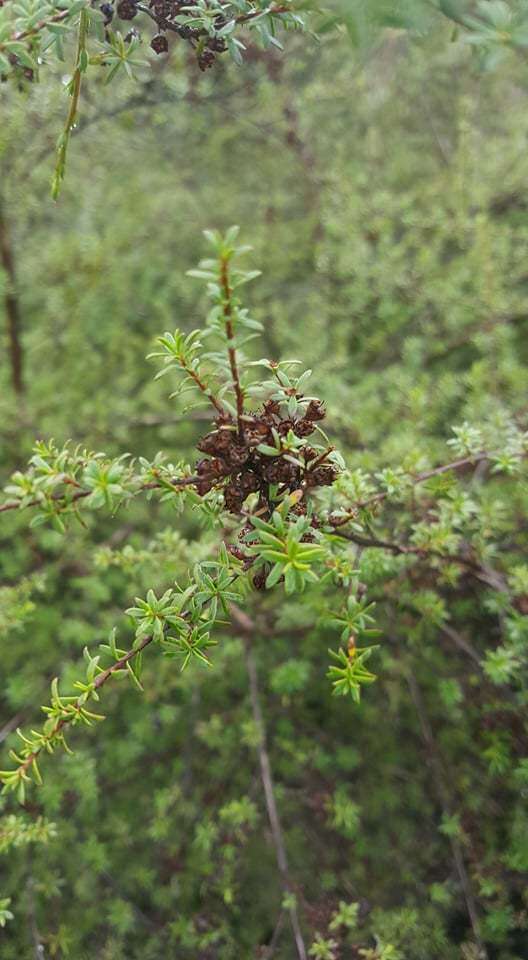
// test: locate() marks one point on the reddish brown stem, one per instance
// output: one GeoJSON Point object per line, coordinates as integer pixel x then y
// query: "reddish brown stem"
{"type": "Point", "coordinates": [201, 386]}
{"type": "Point", "coordinates": [41, 25]}
{"type": "Point", "coordinates": [485, 574]}
{"type": "Point", "coordinates": [228, 318]}
{"type": "Point", "coordinates": [12, 307]}
{"type": "Point", "coordinates": [80, 494]}
{"type": "Point", "coordinates": [98, 683]}
{"type": "Point", "coordinates": [472, 460]}
{"type": "Point", "coordinates": [273, 11]}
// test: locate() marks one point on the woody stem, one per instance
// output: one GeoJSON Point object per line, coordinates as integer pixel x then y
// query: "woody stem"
{"type": "Point", "coordinates": [231, 350]}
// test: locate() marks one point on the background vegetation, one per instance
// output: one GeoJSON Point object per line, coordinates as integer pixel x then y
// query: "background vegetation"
{"type": "Point", "coordinates": [384, 194]}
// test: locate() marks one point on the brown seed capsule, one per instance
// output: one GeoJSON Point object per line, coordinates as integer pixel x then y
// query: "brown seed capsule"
{"type": "Point", "coordinates": [288, 472]}
{"type": "Point", "coordinates": [237, 454]}
{"type": "Point", "coordinates": [235, 551]}
{"type": "Point", "coordinates": [216, 442]}
{"type": "Point", "coordinates": [285, 426]}
{"type": "Point", "coordinates": [316, 410]}
{"type": "Point", "coordinates": [272, 471]}
{"type": "Point", "coordinates": [217, 44]}
{"type": "Point", "coordinates": [321, 477]}
{"type": "Point", "coordinates": [126, 9]}
{"type": "Point", "coordinates": [214, 468]}
{"type": "Point", "coordinates": [256, 432]}
{"type": "Point", "coordinates": [233, 499]}
{"type": "Point", "coordinates": [206, 59]}
{"type": "Point", "coordinates": [204, 486]}
{"type": "Point", "coordinates": [249, 482]}
{"type": "Point", "coordinates": [303, 428]}
{"type": "Point", "coordinates": [159, 43]}
{"type": "Point", "coordinates": [259, 580]}
{"type": "Point", "coordinates": [108, 12]}
{"type": "Point", "coordinates": [271, 408]}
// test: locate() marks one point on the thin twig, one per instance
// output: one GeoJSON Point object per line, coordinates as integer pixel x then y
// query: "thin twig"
{"type": "Point", "coordinates": [41, 25]}
{"type": "Point", "coordinates": [462, 643]}
{"type": "Point", "coordinates": [441, 781]}
{"type": "Point", "coordinates": [483, 573]}
{"type": "Point", "coordinates": [270, 948]}
{"type": "Point", "coordinates": [204, 389]}
{"type": "Point", "coordinates": [75, 91]}
{"type": "Point", "coordinates": [99, 681]}
{"type": "Point", "coordinates": [38, 946]}
{"type": "Point", "coordinates": [247, 629]}
{"type": "Point", "coordinates": [12, 306]}
{"type": "Point", "coordinates": [10, 726]}
{"type": "Point", "coordinates": [418, 478]}
{"type": "Point", "coordinates": [81, 494]}
{"type": "Point", "coordinates": [228, 318]}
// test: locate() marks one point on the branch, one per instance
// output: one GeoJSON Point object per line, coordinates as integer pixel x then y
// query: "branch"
{"type": "Point", "coordinates": [228, 318]}
{"type": "Point", "coordinates": [41, 25]}
{"type": "Point", "coordinates": [203, 387]}
{"type": "Point", "coordinates": [273, 11]}
{"type": "Point", "coordinates": [74, 90]}
{"type": "Point", "coordinates": [486, 574]}
{"type": "Point", "coordinates": [455, 465]}
{"type": "Point", "coordinates": [12, 307]}
{"type": "Point", "coordinates": [247, 628]}
{"type": "Point", "coordinates": [81, 494]}
{"type": "Point", "coordinates": [10, 726]}
{"type": "Point", "coordinates": [76, 710]}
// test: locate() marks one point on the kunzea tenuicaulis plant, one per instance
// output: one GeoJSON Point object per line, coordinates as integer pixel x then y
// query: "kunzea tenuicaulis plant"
{"type": "Point", "coordinates": [287, 514]}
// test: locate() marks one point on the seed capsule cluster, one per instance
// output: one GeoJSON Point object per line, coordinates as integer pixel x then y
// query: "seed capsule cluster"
{"type": "Point", "coordinates": [167, 15]}
{"type": "Point", "coordinates": [236, 462]}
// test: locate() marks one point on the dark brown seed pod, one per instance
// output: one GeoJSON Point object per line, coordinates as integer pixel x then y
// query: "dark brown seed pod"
{"type": "Point", "coordinates": [206, 59]}
{"type": "Point", "coordinates": [237, 454]}
{"type": "Point", "coordinates": [288, 472]}
{"type": "Point", "coordinates": [303, 428]}
{"type": "Point", "coordinates": [321, 477]}
{"type": "Point", "coordinates": [249, 482]}
{"type": "Point", "coordinates": [259, 580]}
{"type": "Point", "coordinates": [233, 499]}
{"type": "Point", "coordinates": [315, 411]}
{"type": "Point", "coordinates": [126, 9]}
{"type": "Point", "coordinates": [285, 426]}
{"type": "Point", "coordinates": [216, 442]}
{"type": "Point", "coordinates": [272, 471]}
{"type": "Point", "coordinates": [309, 453]}
{"type": "Point", "coordinates": [237, 552]}
{"type": "Point", "coordinates": [204, 486]}
{"type": "Point", "coordinates": [214, 468]}
{"type": "Point", "coordinates": [271, 408]}
{"type": "Point", "coordinates": [159, 43]}
{"type": "Point", "coordinates": [256, 432]}
{"type": "Point", "coordinates": [217, 44]}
